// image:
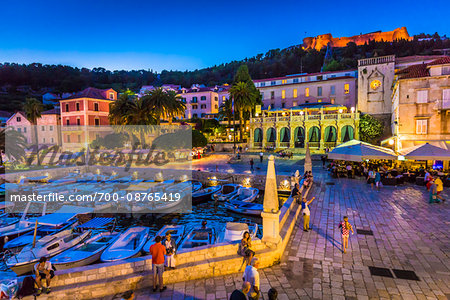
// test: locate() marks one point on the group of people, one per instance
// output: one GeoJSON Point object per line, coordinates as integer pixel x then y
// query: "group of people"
{"type": "Point", "coordinates": [435, 186]}
{"type": "Point", "coordinates": [163, 255]}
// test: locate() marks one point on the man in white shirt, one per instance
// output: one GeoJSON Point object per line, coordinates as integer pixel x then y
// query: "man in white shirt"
{"type": "Point", "coordinates": [251, 275]}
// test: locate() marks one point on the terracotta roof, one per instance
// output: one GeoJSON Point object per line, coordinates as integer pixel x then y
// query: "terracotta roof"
{"type": "Point", "coordinates": [91, 92]}
{"type": "Point", "coordinates": [307, 82]}
{"type": "Point", "coordinates": [415, 58]}
{"type": "Point", "coordinates": [54, 111]}
{"type": "Point", "coordinates": [440, 61]}
{"type": "Point", "coordinates": [421, 70]}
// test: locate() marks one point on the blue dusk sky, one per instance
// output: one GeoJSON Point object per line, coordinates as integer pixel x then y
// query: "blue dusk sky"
{"type": "Point", "coordinates": [185, 35]}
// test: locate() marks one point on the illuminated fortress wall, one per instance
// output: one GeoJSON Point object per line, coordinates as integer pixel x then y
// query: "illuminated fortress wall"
{"type": "Point", "coordinates": [322, 40]}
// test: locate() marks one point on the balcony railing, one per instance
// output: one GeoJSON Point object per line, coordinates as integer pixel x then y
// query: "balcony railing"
{"type": "Point", "coordinates": [270, 144]}
{"type": "Point", "coordinates": [329, 144]}
{"type": "Point", "coordinates": [314, 144]}
{"type": "Point", "coordinates": [284, 144]}
{"type": "Point", "coordinates": [257, 144]}
{"type": "Point", "coordinates": [301, 118]}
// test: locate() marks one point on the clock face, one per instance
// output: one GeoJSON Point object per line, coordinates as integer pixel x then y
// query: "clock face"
{"type": "Point", "coordinates": [375, 84]}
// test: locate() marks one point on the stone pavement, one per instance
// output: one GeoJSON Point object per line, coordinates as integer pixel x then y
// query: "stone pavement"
{"type": "Point", "coordinates": [408, 234]}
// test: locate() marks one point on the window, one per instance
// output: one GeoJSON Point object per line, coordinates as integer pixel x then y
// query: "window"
{"type": "Point", "coordinates": [42, 128]}
{"type": "Point", "coordinates": [320, 77]}
{"type": "Point", "coordinates": [67, 122]}
{"type": "Point", "coordinates": [78, 121]}
{"type": "Point", "coordinates": [320, 100]}
{"type": "Point", "coordinates": [273, 83]}
{"type": "Point", "coordinates": [294, 93]}
{"type": "Point", "coordinates": [194, 100]}
{"type": "Point", "coordinates": [446, 98]}
{"type": "Point", "coordinates": [203, 115]}
{"type": "Point", "coordinates": [263, 84]}
{"type": "Point", "coordinates": [111, 96]}
{"type": "Point", "coordinates": [283, 105]}
{"type": "Point", "coordinates": [216, 106]}
{"type": "Point", "coordinates": [332, 100]}
{"type": "Point", "coordinates": [283, 94]}
{"type": "Point", "coordinates": [19, 129]}
{"type": "Point", "coordinates": [68, 138]}
{"type": "Point", "coordinates": [203, 106]}
{"type": "Point", "coordinates": [96, 106]}
{"type": "Point", "coordinates": [422, 96]}
{"type": "Point", "coordinates": [24, 129]}
{"type": "Point", "coordinates": [319, 91]}
{"type": "Point", "coordinates": [203, 98]}
{"type": "Point", "coordinates": [333, 76]}
{"type": "Point", "coordinates": [421, 126]}
{"type": "Point", "coordinates": [272, 95]}
{"type": "Point", "coordinates": [307, 92]}
{"type": "Point", "coordinates": [333, 90]}
{"type": "Point", "coordinates": [216, 99]}
{"type": "Point", "coordinates": [307, 101]}
{"type": "Point", "coordinates": [50, 128]}
{"type": "Point", "coordinates": [195, 106]}
{"type": "Point", "coordinates": [78, 106]}
{"type": "Point", "coordinates": [295, 80]}
{"type": "Point", "coordinates": [97, 121]}
{"type": "Point", "coordinates": [284, 81]}
{"type": "Point", "coordinates": [346, 88]}
{"type": "Point", "coordinates": [347, 74]}
{"type": "Point", "coordinates": [43, 140]}
{"type": "Point", "coordinates": [223, 98]}
{"type": "Point", "coordinates": [445, 70]}
{"type": "Point", "coordinates": [52, 140]}
{"type": "Point", "coordinates": [79, 138]}
{"type": "Point", "coordinates": [194, 116]}
{"type": "Point", "coordinates": [294, 103]}
{"type": "Point", "coordinates": [18, 119]}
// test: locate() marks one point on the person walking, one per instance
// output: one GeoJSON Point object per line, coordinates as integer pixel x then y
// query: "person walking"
{"type": "Point", "coordinates": [171, 248]}
{"type": "Point", "coordinates": [157, 250]}
{"type": "Point", "coordinates": [261, 156]}
{"type": "Point", "coordinates": [251, 164]}
{"type": "Point", "coordinates": [433, 191]}
{"type": "Point", "coordinates": [377, 179]}
{"type": "Point", "coordinates": [306, 213]}
{"type": "Point", "coordinates": [439, 188]}
{"type": "Point", "coordinates": [371, 177]}
{"type": "Point", "coordinates": [251, 275]}
{"type": "Point", "coordinates": [345, 231]}
{"type": "Point", "coordinates": [242, 293]}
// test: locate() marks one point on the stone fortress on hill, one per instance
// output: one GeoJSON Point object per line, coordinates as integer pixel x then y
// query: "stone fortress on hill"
{"type": "Point", "coordinates": [322, 40]}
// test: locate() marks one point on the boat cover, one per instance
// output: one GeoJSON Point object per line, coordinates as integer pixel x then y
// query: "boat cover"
{"type": "Point", "coordinates": [95, 223]}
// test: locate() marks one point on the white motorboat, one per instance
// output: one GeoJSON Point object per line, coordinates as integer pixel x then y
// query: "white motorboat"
{"type": "Point", "coordinates": [235, 231]}
{"type": "Point", "coordinates": [15, 245]}
{"type": "Point", "coordinates": [85, 253]}
{"type": "Point", "coordinates": [47, 246]}
{"type": "Point", "coordinates": [204, 195]}
{"type": "Point", "coordinates": [245, 194]}
{"type": "Point", "coordinates": [228, 190]}
{"type": "Point", "coordinates": [128, 244]}
{"type": "Point", "coordinates": [245, 208]}
{"type": "Point", "coordinates": [198, 237]}
{"type": "Point", "coordinates": [176, 232]}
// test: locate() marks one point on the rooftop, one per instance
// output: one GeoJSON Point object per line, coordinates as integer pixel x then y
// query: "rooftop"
{"type": "Point", "coordinates": [92, 93]}
{"type": "Point", "coordinates": [421, 70]}
{"type": "Point", "coordinates": [303, 75]}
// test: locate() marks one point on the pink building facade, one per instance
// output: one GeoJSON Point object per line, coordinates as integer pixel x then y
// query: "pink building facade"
{"type": "Point", "coordinates": [338, 87]}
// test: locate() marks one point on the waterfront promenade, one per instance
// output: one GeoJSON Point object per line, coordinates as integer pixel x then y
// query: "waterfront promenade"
{"type": "Point", "coordinates": [408, 234]}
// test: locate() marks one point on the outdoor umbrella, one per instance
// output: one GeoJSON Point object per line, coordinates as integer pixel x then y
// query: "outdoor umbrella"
{"type": "Point", "coordinates": [426, 152]}
{"type": "Point", "coordinates": [355, 150]}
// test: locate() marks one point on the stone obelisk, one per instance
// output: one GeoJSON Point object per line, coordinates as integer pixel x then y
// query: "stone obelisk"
{"type": "Point", "coordinates": [271, 212]}
{"type": "Point", "coordinates": [308, 163]}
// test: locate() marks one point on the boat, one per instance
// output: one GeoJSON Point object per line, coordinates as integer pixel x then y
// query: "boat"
{"type": "Point", "coordinates": [85, 253]}
{"type": "Point", "coordinates": [228, 191]}
{"type": "Point", "coordinates": [235, 231]}
{"type": "Point", "coordinates": [205, 194]}
{"type": "Point", "coordinates": [48, 246]}
{"type": "Point", "coordinates": [176, 232]}
{"type": "Point", "coordinates": [246, 194]}
{"type": "Point", "coordinates": [128, 244]}
{"type": "Point", "coordinates": [17, 244]}
{"type": "Point", "coordinates": [198, 237]}
{"type": "Point", "coordinates": [246, 208]}
{"type": "Point", "coordinates": [196, 185]}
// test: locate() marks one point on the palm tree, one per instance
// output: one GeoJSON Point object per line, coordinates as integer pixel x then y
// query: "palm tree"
{"type": "Point", "coordinates": [117, 109]}
{"type": "Point", "coordinates": [33, 109]}
{"type": "Point", "coordinates": [226, 110]}
{"type": "Point", "coordinates": [157, 101]}
{"type": "Point", "coordinates": [244, 98]}
{"type": "Point", "coordinates": [16, 144]}
{"type": "Point", "coordinates": [174, 106]}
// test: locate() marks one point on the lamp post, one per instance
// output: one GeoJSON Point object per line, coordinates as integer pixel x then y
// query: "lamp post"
{"type": "Point", "coordinates": [234, 129]}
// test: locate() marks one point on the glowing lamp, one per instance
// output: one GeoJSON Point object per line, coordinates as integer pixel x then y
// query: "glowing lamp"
{"type": "Point", "coordinates": [246, 182]}
{"type": "Point", "coordinates": [256, 114]}
{"type": "Point", "coordinates": [352, 109]}
{"type": "Point", "coordinates": [340, 111]}
{"type": "Point", "coordinates": [391, 142]}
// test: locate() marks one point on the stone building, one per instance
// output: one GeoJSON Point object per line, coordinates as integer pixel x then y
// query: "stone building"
{"type": "Point", "coordinates": [421, 105]}
{"type": "Point", "coordinates": [322, 125]}
{"type": "Point", "coordinates": [338, 87]}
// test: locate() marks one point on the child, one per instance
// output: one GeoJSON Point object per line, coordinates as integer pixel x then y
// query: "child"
{"type": "Point", "coordinates": [345, 230]}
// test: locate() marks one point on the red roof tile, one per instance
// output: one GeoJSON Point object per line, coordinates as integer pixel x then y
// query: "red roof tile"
{"type": "Point", "coordinates": [54, 111]}
{"type": "Point", "coordinates": [421, 70]}
{"type": "Point", "coordinates": [91, 92]}
{"type": "Point", "coordinates": [440, 61]}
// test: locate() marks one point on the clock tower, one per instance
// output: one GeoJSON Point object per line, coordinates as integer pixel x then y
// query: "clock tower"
{"type": "Point", "coordinates": [375, 78]}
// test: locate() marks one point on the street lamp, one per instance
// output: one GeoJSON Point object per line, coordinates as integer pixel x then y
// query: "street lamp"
{"type": "Point", "coordinates": [353, 109]}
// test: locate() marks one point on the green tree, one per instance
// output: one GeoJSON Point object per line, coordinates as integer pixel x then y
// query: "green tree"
{"type": "Point", "coordinates": [16, 144]}
{"type": "Point", "coordinates": [226, 110]}
{"type": "Point", "coordinates": [174, 106]}
{"type": "Point", "coordinates": [198, 139]}
{"type": "Point", "coordinates": [370, 129]}
{"type": "Point", "coordinates": [33, 109]}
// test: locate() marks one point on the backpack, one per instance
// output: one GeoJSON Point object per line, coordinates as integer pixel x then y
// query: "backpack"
{"type": "Point", "coordinates": [27, 287]}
